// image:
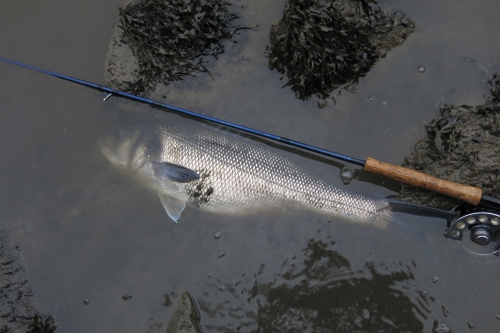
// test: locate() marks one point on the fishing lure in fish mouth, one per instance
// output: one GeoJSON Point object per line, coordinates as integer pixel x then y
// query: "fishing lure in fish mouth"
{"type": "Point", "coordinates": [478, 224]}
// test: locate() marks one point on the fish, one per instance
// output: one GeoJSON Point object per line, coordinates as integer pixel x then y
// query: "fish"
{"type": "Point", "coordinates": [214, 172]}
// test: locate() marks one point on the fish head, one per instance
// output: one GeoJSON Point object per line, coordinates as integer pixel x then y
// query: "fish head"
{"type": "Point", "coordinates": [131, 149]}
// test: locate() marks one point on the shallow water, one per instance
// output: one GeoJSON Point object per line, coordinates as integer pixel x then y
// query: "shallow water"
{"type": "Point", "coordinates": [87, 231]}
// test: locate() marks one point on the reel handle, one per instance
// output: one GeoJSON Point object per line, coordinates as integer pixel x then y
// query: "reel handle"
{"type": "Point", "coordinates": [466, 193]}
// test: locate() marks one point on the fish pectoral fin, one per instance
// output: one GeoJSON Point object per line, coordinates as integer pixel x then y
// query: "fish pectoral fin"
{"type": "Point", "coordinates": [173, 207]}
{"type": "Point", "coordinates": [174, 172]}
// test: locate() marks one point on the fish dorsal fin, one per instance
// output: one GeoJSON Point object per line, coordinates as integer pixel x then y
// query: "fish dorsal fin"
{"type": "Point", "coordinates": [174, 172]}
{"type": "Point", "coordinates": [173, 207]}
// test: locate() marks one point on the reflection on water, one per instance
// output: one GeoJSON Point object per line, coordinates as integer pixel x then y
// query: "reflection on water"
{"type": "Point", "coordinates": [317, 299]}
{"type": "Point", "coordinates": [324, 294]}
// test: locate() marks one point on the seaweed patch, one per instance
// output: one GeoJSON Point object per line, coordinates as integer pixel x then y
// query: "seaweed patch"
{"type": "Point", "coordinates": [201, 189]}
{"type": "Point", "coordinates": [169, 38]}
{"type": "Point", "coordinates": [17, 313]}
{"type": "Point", "coordinates": [321, 45]}
{"type": "Point", "coordinates": [462, 145]}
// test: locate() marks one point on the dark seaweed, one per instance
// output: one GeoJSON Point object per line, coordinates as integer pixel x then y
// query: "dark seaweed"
{"type": "Point", "coordinates": [42, 324]}
{"type": "Point", "coordinates": [170, 37]}
{"type": "Point", "coordinates": [321, 45]}
{"type": "Point", "coordinates": [17, 313]}
{"type": "Point", "coordinates": [463, 145]}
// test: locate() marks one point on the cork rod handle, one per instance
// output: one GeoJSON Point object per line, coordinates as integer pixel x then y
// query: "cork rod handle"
{"type": "Point", "coordinates": [469, 194]}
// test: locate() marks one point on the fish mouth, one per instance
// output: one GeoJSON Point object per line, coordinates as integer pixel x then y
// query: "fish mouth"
{"type": "Point", "coordinates": [112, 150]}
{"type": "Point", "coordinates": [125, 149]}
{"type": "Point", "coordinates": [105, 146]}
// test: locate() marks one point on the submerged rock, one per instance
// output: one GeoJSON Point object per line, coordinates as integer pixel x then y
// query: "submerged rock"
{"type": "Point", "coordinates": [438, 327]}
{"type": "Point", "coordinates": [463, 146]}
{"type": "Point", "coordinates": [320, 45]}
{"type": "Point", "coordinates": [186, 318]}
{"type": "Point", "coordinates": [166, 40]}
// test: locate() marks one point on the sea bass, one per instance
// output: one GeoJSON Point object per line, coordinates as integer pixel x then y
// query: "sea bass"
{"type": "Point", "coordinates": [221, 174]}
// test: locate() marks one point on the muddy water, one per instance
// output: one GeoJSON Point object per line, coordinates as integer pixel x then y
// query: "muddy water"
{"type": "Point", "coordinates": [89, 232]}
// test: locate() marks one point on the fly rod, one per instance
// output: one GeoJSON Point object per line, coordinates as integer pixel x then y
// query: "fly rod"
{"type": "Point", "coordinates": [469, 194]}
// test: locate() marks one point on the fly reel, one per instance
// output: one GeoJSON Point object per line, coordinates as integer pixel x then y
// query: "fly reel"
{"type": "Point", "coordinates": [478, 232]}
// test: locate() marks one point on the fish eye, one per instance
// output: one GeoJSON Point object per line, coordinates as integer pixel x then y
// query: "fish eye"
{"type": "Point", "coordinates": [119, 134]}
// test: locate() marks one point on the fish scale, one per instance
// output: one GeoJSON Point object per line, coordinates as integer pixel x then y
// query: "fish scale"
{"type": "Point", "coordinates": [235, 177]}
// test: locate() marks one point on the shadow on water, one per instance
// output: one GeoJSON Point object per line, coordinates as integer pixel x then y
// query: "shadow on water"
{"type": "Point", "coordinates": [324, 294]}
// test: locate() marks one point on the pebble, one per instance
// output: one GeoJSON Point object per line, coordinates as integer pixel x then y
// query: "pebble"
{"type": "Point", "coordinates": [346, 175]}
{"type": "Point", "coordinates": [442, 328]}
{"type": "Point", "coordinates": [421, 69]}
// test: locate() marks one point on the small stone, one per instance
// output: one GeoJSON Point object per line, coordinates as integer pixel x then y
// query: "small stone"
{"type": "Point", "coordinates": [346, 175]}
{"type": "Point", "coordinates": [435, 279]}
{"type": "Point", "coordinates": [126, 297]}
{"type": "Point", "coordinates": [470, 325]}
{"type": "Point", "coordinates": [370, 98]}
{"type": "Point", "coordinates": [421, 69]}
{"type": "Point", "coordinates": [441, 328]}
{"type": "Point", "coordinates": [424, 294]}
{"type": "Point", "coordinates": [209, 275]}
{"type": "Point", "coordinates": [217, 235]}
{"type": "Point", "coordinates": [222, 254]}
{"type": "Point", "coordinates": [497, 317]}
{"type": "Point", "coordinates": [86, 301]}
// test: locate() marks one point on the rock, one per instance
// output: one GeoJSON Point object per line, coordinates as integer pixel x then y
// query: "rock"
{"type": "Point", "coordinates": [186, 318]}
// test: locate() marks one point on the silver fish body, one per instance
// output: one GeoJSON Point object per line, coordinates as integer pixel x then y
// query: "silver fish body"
{"type": "Point", "coordinates": [231, 175]}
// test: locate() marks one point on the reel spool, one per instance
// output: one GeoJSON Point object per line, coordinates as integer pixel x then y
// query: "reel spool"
{"type": "Point", "coordinates": [478, 232]}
